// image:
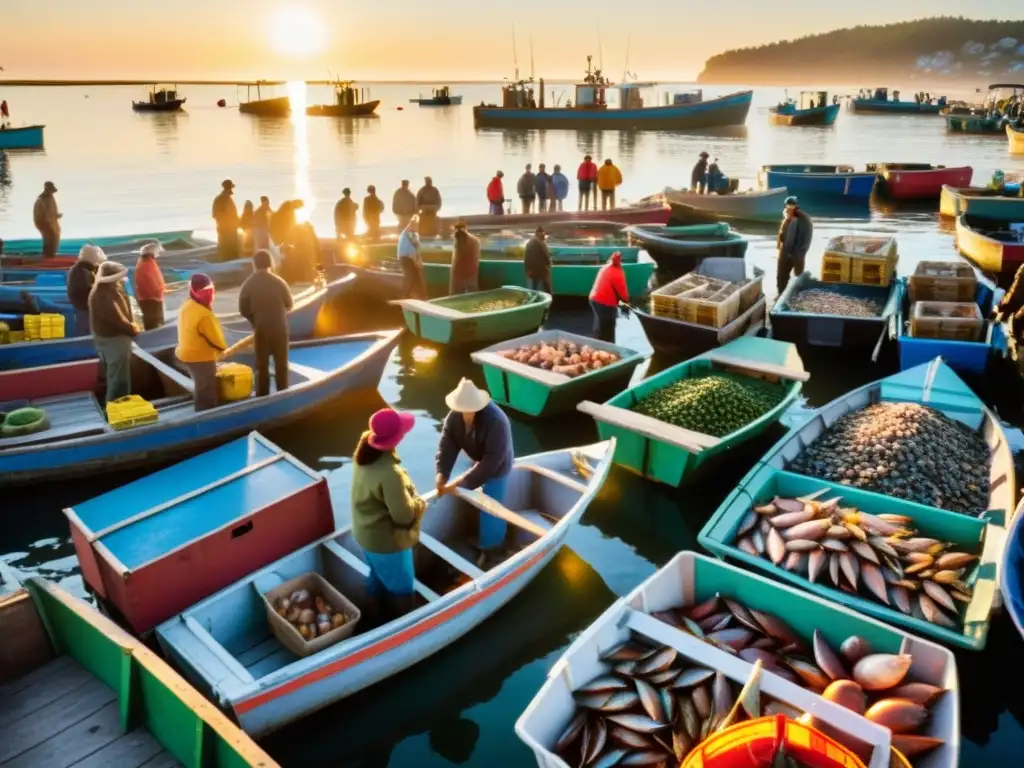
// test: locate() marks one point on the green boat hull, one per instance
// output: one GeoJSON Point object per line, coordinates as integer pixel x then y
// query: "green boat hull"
{"type": "Point", "coordinates": [440, 251]}
{"type": "Point", "coordinates": [480, 327]}
{"type": "Point", "coordinates": [566, 279]}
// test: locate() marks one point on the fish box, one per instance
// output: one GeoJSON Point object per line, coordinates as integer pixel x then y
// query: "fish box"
{"type": "Point", "coordinates": [465, 319]}
{"type": "Point", "coordinates": [285, 631]}
{"type": "Point", "coordinates": [872, 271]}
{"type": "Point", "coordinates": [863, 246]}
{"type": "Point", "coordinates": [942, 281]}
{"type": "Point", "coordinates": [538, 392]}
{"type": "Point", "coordinates": [973, 535]}
{"type": "Point", "coordinates": [152, 548]}
{"type": "Point", "coordinates": [234, 382]}
{"type": "Point", "coordinates": [711, 302]}
{"type": "Point", "coordinates": [835, 268]}
{"type": "Point", "coordinates": [954, 320]}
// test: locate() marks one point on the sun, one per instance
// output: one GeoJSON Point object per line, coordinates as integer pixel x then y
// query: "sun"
{"type": "Point", "coordinates": [296, 31]}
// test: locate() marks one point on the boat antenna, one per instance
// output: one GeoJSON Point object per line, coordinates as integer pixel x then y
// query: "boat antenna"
{"type": "Point", "coordinates": [625, 67]}
{"type": "Point", "coordinates": [600, 48]}
{"type": "Point", "coordinates": [531, 55]}
{"type": "Point", "coordinates": [515, 55]}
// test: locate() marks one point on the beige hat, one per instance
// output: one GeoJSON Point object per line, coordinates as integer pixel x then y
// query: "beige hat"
{"type": "Point", "coordinates": [111, 272]}
{"type": "Point", "coordinates": [467, 398]}
{"type": "Point", "coordinates": [92, 254]}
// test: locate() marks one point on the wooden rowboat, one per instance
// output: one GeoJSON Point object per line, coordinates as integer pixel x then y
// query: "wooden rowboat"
{"type": "Point", "coordinates": [80, 441]}
{"type": "Point", "coordinates": [76, 689]}
{"type": "Point", "coordinates": [111, 243]}
{"type": "Point", "coordinates": [983, 202]}
{"type": "Point", "coordinates": [445, 321]}
{"type": "Point", "coordinates": [689, 579]}
{"type": "Point", "coordinates": [994, 246]}
{"type": "Point", "coordinates": [226, 648]}
{"type": "Point", "coordinates": [537, 392]}
{"type": "Point", "coordinates": [918, 181]}
{"type": "Point", "coordinates": [23, 137]}
{"type": "Point", "coordinates": [681, 249]}
{"type": "Point", "coordinates": [666, 453]}
{"type": "Point", "coordinates": [765, 205]}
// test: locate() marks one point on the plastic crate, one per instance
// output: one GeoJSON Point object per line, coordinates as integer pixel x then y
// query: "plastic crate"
{"type": "Point", "coordinates": [943, 281]}
{"type": "Point", "coordinates": [32, 327]}
{"type": "Point", "coordinates": [863, 246]}
{"type": "Point", "coordinates": [872, 271]}
{"type": "Point", "coordinates": [130, 411]}
{"type": "Point", "coordinates": [751, 292]}
{"type": "Point", "coordinates": [835, 268]}
{"type": "Point", "coordinates": [952, 320]}
{"type": "Point", "coordinates": [702, 300]}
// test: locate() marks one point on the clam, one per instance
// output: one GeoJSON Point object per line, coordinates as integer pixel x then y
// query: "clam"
{"type": "Point", "coordinates": [898, 715]}
{"type": "Point", "coordinates": [881, 671]}
{"type": "Point", "coordinates": [846, 693]}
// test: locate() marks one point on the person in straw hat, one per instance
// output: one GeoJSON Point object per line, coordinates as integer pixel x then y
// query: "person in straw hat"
{"type": "Point", "coordinates": [480, 429]}
{"type": "Point", "coordinates": [110, 317]}
{"type": "Point", "coordinates": [81, 278]}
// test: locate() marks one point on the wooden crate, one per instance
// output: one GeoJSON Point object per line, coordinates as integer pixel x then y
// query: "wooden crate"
{"type": "Point", "coordinates": [865, 271]}
{"type": "Point", "coordinates": [956, 321]}
{"type": "Point", "coordinates": [952, 281]}
{"type": "Point", "coordinates": [863, 246]}
{"type": "Point", "coordinates": [751, 291]}
{"type": "Point", "coordinates": [665, 300]}
{"type": "Point", "coordinates": [835, 268]}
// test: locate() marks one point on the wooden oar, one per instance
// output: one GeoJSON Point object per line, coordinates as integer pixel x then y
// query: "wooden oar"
{"type": "Point", "coordinates": [235, 347]}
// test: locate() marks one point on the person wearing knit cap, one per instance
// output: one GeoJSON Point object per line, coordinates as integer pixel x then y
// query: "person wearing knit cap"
{"type": "Point", "coordinates": [81, 278]}
{"type": "Point", "coordinates": [265, 300]}
{"type": "Point", "coordinates": [110, 318]}
{"type": "Point", "coordinates": [149, 286]}
{"type": "Point", "coordinates": [608, 294]}
{"type": "Point", "coordinates": [200, 340]}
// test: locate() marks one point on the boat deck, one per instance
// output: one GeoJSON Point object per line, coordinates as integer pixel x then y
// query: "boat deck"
{"type": "Point", "coordinates": [60, 716]}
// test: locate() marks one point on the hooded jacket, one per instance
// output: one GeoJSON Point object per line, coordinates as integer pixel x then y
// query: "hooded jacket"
{"type": "Point", "coordinates": [81, 278]}
{"type": "Point", "coordinates": [110, 313]}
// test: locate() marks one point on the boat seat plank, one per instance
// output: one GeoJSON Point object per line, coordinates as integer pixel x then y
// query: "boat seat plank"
{"type": "Point", "coordinates": [266, 647]}
{"type": "Point", "coordinates": [272, 662]}
{"type": "Point", "coordinates": [688, 440]}
{"type": "Point", "coordinates": [554, 475]}
{"type": "Point", "coordinates": [449, 555]}
{"type": "Point", "coordinates": [756, 365]}
{"type": "Point", "coordinates": [426, 308]}
{"type": "Point", "coordinates": [491, 507]}
{"type": "Point", "coordinates": [70, 746]}
{"type": "Point", "coordinates": [47, 690]}
{"type": "Point", "coordinates": [538, 518]}
{"type": "Point", "coordinates": [185, 382]}
{"type": "Point", "coordinates": [133, 749]}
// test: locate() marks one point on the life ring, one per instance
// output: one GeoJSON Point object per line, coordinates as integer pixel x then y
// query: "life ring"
{"type": "Point", "coordinates": [24, 421]}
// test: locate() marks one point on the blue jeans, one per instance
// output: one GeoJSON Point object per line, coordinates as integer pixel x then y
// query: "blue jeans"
{"type": "Point", "coordinates": [537, 284]}
{"type": "Point", "coordinates": [492, 529]}
{"type": "Point", "coordinates": [391, 574]}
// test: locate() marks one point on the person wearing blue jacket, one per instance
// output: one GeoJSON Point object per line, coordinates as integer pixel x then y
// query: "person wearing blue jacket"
{"type": "Point", "coordinates": [560, 188]}
{"type": "Point", "coordinates": [542, 183]}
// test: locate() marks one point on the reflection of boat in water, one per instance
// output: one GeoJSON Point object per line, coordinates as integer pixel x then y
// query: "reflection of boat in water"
{"type": "Point", "coordinates": [278, 106]}
{"type": "Point", "coordinates": [440, 97]}
{"type": "Point", "coordinates": [161, 99]}
{"type": "Point", "coordinates": [348, 102]}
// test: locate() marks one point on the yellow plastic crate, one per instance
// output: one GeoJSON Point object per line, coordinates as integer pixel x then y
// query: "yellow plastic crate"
{"type": "Point", "coordinates": [130, 411]}
{"type": "Point", "coordinates": [32, 327]}
{"type": "Point", "coordinates": [17, 336]}
{"type": "Point", "coordinates": [234, 382]}
{"type": "Point", "coordinates": [872, 271]}
{"type": "Point", "coordinates": [835, 268]}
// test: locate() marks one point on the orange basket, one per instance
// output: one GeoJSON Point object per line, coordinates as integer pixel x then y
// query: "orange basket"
{"type": "Point", "coordinates": [755, 743]}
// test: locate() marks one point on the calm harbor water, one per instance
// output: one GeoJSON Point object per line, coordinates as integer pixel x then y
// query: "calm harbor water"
{"type": "Point", "coordinates": [121, 172]}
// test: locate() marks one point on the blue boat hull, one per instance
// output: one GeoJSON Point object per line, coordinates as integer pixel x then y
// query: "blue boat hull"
{"type": "Point", "coordinates": [716, 113]}
{"type": "Point", "coordinates": [833, 186]}
{"type": "Point", "coordinates": [871, 106]}
{"type": "Point", "coordinates": [29, 137]}
{"type": "Point", "coordinates": [817, 116]}
{"type": "Point", "coordinates": [1012, 581]}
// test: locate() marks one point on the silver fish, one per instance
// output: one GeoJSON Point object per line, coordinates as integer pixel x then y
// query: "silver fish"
{"type": "Point", "coordinates": [572, 731]}
{"type": "Point", "coordinates": [747, 523]}
{"type": "Point", "coordinates": [692, 677]}
{"type": "Point", "coordinates": [815, 563]}
{"type": "Point", "coordinates": [736, 638]}
{"type": "Point", "coordinates": [835, 545]}
{"type": "Point", "coordinates": [604, 683]}
{"type": "Point", "coordinates": [638, 723]}
{"type": "Point", "coordinates": [628, 738]}
{"type": "Point", "coordinates": [900, 598]}
{"type": "Point", "coordinates": [628, 651]}
{"type": "Point", "coordinates": [598, 738]}
{"type": "Point", "coordinates": [801, 545]}
{"type": "Point", "coordinates": [701, 702]}
{"type": "Point", "coordinates": [865, 551]}
{"type": "Point", "coordinates": [592, 700]}
{"type": "Point", "coordinates": [790, 519]}
{"type": "Point", "coordinates": [776, 546]}
{"type": "Point", "coordinates": [657, 662]}
{"type": "Point", "coordinates": [610, 758]}
{"type": "Point", "coordinates": [775, 627]}
{"type": "Point", "coordinates": [789, 505]}
{"type": "Point", "coordinates": [701, 611]}
{"type": "Point", "coordinates": [827, 659]}
{"type": "Point", "coordinates": [688, 716]}
{"type": "Point", "coordinates": [650, 700]}
{"type": "Point", "coordinates": [620, 701]}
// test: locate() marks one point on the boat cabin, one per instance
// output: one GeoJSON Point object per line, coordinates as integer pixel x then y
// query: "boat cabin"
{"type": "Point", "coordinates": [347, 95]}
{"type": "Point", "coordinates": [689, 97]}
{"type": "Point", "coordinates": [518, 95]}
{"type": "Point", "coordinates": [442, 93]}
{"type": "Point", "coordinates": [814, 99]}
{"type": "Point", "coordinates": [877, 94]}
{"type": "Point", "coordinates": [163, 94]}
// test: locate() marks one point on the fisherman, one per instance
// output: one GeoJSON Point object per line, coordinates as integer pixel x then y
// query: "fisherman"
{"type": "Point", "coordinates": [373, 207]}
{"type": "Point", "coordinates": [245, 220]}
{"type": "Point", "coordinates": [717, 182]}
{"type": "Point", "coordinates": [537, 262]}
{"type": "Point", "coordinates": [794, 241]}
{"type": "Point", "coordinates": [586, 176]}
{"type": "Point", "coordinates": [81, 278]}
{"type": "Point", "coordinates": [409, 256]}
{"type": "Point", "coordinates": [480, 429]}
{"type": "Point", "coordinates": [225, 214]}
{"type": "Point", "coordinates": [607, 295]}
{"type": "Point", "coordinates": [560, 189]}
{"type": "Point", "coordinates": [5, 112]}
{"type": "Point", "coordinates": [261, 225]}
{"type": "Point", "coordinates": [345, 215]}
{"type": "Point", "coordinates": [265, 300]}
{"type": "Point", "coordinates": [527, 189]}
{"type": "Point", "coordinates": [465, 271]}
{"type": "Point", "coordinates": [542, 183]}
{"type": "Point", "coordinates": [699, 175]}
{"type": "Point", "coordinates": [47, 219]}
{"type": "Point", "coordinates": [283, 221]}
{"type": "Point", "coordinates": [428, 204]}
{"type": "Point", "coordinates": [608, 178]}
{"type": "Point", "coordinates": [386, 514]}
{"type": "Point", "coordinates": [200, 341]}
{"type": "Point", "coordinates": [496, 195]}
{"type": "Point", "coordinates": [301, 254]}
{"type": "Point", "coordinates": [149, 286]}
{"type": "Point", "coordinates": [403, 205]}
{"type": "Point", "coordinates": [110, 320]}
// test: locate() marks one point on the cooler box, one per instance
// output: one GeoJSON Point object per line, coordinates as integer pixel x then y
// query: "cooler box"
{"type": "Point", "coordinates": [234, 382]}
{"type": "Point", "coordinates": [152, 548]}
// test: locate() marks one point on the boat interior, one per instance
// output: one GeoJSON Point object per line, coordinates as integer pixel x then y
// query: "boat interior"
{"type": "Point", "coordinates": [996, 229]}
{"type": "Point", "coordinates": [542, 490]}
{"type": "Point", "coordinates": [883, 295]}
{"type": "Point", "coordinates": [879, 167]}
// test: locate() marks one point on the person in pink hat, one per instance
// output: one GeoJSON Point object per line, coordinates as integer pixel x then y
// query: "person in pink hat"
{"type": "Point", "coordinates": [386, 513]}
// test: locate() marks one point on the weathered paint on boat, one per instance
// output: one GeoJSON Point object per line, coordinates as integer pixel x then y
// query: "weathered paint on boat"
{"type": "Point", "coordinates": [691, 578]}
{"type": "Point", "coordinates": [440, 323]}
{"type": "Point", "coordinates": [495, 247]}
{"type": "Point", "coordinates": [980, 201]}
{"type": "Point", "coordinates": [1016, 137]}
{"type": "Point", "coordinates": [765, 205]}
{"type": "Point", "coordinates": [992, 255]}
{"type": "Point", "coordinates": [918, 181]}
{"type": "Point", "coordinates": [537, 392]}
{"type": "Point", "coordinates": [149, 695]}
{"type": "Point", "coordinates": [225, 647]}
{"type": "Point", "coordinates": [1012, 570]}
{"type": "Point", "coordinates": [879, 107]}
{"type": "Point", "coordinates": [665, 453]}
{"type": "Point", "coordinates": [974, 123]}
{"type": "Point", "coordinates": [835, 183]}
{"type": "Point", "coordinates": [797, 117]}
{"type": "Point", "coordinates": [27, 137]}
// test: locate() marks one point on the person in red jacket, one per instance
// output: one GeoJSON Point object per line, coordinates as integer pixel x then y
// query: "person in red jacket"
{"type": "Point", "coordinates": [587, 177]}
{"type": "Point", "coordinates": [496, 195]}
{"type": "Point", "coordinates": [608, 293]}
{"type": "Point", "coordinates": [149, 287]}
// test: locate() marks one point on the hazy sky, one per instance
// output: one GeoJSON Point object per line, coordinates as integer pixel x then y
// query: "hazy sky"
{"type": "Point", "coordinates": [415, 39]}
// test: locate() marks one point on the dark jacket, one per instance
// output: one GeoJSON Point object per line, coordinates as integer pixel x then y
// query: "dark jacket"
{"type": "Point", "coordinates": [345, 214]}
{"type": "Point", "coordinates": [80, 281]}
{"type": "Point", "coordinates": [264, 301]}
{"type": "Point", "coordinates": [537, 259]}
{"type": "Point", "coordinates": [110, 314]}
{"type": "Point", "coordinates": [799, 242]}
{"type": "Point", "coordinates": [698, 173]}
{"type": "Point", "coordinates": [373, 207]}
{"type": "Point", "coordinates": [404, 202]}
{"type": "Point", "coordinates": [488, 443]}
{"type": "Point", "coordinates": [542, 184]}
{"type": "Point", "coordinates": [527, 186]}
{"type": "Point", "coordinates": [428, 199]}
{"type": "Point", "coordinates": [466, 256]}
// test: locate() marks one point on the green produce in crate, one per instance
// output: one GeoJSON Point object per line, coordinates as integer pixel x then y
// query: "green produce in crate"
{"type": "Point", "coordinates": [488, 301]}
{"type": "Point", "coordinates": [716, 404]}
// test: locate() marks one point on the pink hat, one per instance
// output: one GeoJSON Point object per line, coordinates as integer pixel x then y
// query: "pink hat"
{"type": "Point", "coordinates": [388, 427]}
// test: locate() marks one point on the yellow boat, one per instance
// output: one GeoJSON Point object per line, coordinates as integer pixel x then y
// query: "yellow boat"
{"type": "Point", "coordinates": [1016, 137]}
{"type": "Point", "coordinates": [990, 244]}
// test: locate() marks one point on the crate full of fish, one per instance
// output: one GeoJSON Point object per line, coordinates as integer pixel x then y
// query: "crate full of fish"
{"type": "Point", "coordinates": [942, 281]}
{"type": "Point", "coordinates": [952, 320]}
{"type": "Point", "coordinates": [662, 670]}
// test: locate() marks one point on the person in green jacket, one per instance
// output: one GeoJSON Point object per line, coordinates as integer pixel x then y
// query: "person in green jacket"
{"type": "Point", "coordinates": [386, 513]}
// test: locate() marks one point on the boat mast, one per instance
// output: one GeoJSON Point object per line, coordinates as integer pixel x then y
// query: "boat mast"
{"type": "Point", "coordinates": [625, 67]}
{"type": "Point", "coordinates": [515, 55]}
{"type": "Point", "coordinates": [531, 55]}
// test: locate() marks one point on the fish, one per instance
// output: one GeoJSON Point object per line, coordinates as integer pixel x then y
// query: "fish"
{"type": "Point", "coordinates": [945, 577]}
{"type": "Point", "coordinates": [911, 744]}
{"type": "Point", "coordinates": [876, 524]}
{"type": "Point", "coordinates": [902, 520]}
{"type": "Point", "coordinates": [721, 694]}
{"type": "Point", "coordinates": [736, 638]}
{"type": "Point", "coordinates": [625, 667]}
{"type": "Point", "coordinates": [668, 701]}
{"type": "Point", "coordinates": [776, 627]}
{"type": "Point", "coordinates": [919, 544]}
{"type": "Point", "coordinates": [742, 614]}
{"type": "Point", "coordinates": [918, 557]}
{"type": "Point", "coordinates": [809, 673]}
{"type": "Point", "coordinates": [747, 523]}
{"type": "Point", "coordinates": [767, 658]}
{"type": "Point", "coordinates": [572, 731]}
{"type": "Point", "coordinates": [794, 562]}
{"type": "Point", "coordinates": [898, 715]}
{"type": "Point", "coordinates": [767, 509]}
{"type": "Point", "coordinates": [856, 530]}
{"type": "Point", "coordinates": [693, 627]}
{"type": "Point", "coordinates": [960, 596]}
{"type": "Point", "coordinates": [650, 700]}
{"type": "Point", "coordinates": [916, 568]}
{"type": "Point", "coordinates": [620, 701]}
{"type": "Point", "coordinates": [723, 622]}
{"type": "Point", "coordinates": [701, 702]}
{"type": "Point", "coordinates": [647, 757]}
{"type": "Point", "coordinates": [667, 617]}
{"type": "Point", "coordinates": [661, 679]}
{"type": "Point", "coordinates": [826, 658]}
{"type": "Point", "coordinates": [628, 738]}
{"type": "Point", "coordinates": [933, 613]}
{"type": "Point", "coordinates": [846, 693]}
{"type": "Point", "coordinates": [598, 738]}
{"type": "Point", "coordinates": [692, 677]}
{"type": "Point", "coordinates": [689, 717]}
{"type": "Point", "coordinates": [658, 662]}
{"type": "Point", "coordinates": [838, 532]}
{"type": "Point", "coordinates": [592, 700]}
{"type": "Point", "coordinates": [881, 671]}
{"type": "Point", "coordinates": [815, 563]}
{"type": "Point", "coordinates": [919, 693]}
{"type": "Point", "coordinates": [793, 518]}
{"type": "Point", "coordinates": [851, 571]}
{"type": "Point", "coordinates": [789, 505]}
{"type": "Point", "coordinates": [638, 723]}
{"type": "Point", "coordinates": [879, 544]}
{"type": "Point", "coordinates": [610, 758]}
{"type": "Point", "coordinates": [836, 545]}
{"type": "Point", "coordinates": [701, 611]}
{"type": "Point", "coordinates": [853, 649]}
{"type": "Point", "coordinates": [812, 530]}
{"type": "Point", "coordinates": [604, 683]}
{"type": "Point", "coordinates": [765, 643]}
{"type": "Point", "coordinates": [628, 651]}
{"type": "Point", "coordinates": [874, 581]}
{"type": "Point", "coordinates": [801, 545]}
{"type": "Point", "coordinates": [900, 597]}
{"type": "Point", "coordinates": [939, 595]}
{"type": "Point", "coordinates": [864, 550]}
{"type": "Point", "coordinates": [757, 538]}
{"type": "Point", "coordinates": [682, 743]}
{"type": "Point", "coordinates": [833, 568]}
{"type": "Point", "coordinates": [709, 622]}
{"type": "Point", "coordinates": [954, 560]}
{"type": "Point", "coordinates": [776, 546]}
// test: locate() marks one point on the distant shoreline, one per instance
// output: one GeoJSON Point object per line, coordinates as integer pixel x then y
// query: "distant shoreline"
{"type": "Point", "coordinates": [253, 83]}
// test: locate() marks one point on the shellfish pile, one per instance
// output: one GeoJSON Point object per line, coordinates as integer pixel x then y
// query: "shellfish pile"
{"type": "Point", "coordinates": [563, 357]}
{"type": "Point", "coordinates": [310, 614]}
{"type": "Point", "coordinates": [905, 450]}
{"type": "Point", "coordinates": [821, 302]}
{"type": "Point", "coordinates": [881, 557]}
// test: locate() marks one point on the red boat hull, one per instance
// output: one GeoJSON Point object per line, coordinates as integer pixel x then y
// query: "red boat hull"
{"type": "Point", "coordinates": [924, 185]}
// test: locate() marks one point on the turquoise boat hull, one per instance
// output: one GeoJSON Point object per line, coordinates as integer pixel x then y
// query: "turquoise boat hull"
{"type": "Point", "coordinates": [71, 246]}
{"type": "Point", "coordinates": [566, 279]}
{"type": "Point", "coordinates": [29, 137]}
{"type": "Point", "coordinates": [440, 251]}
{"type": "Point", "coordinates": [479, 327]}
{"type": "Point", "coordinates": [875, 106]}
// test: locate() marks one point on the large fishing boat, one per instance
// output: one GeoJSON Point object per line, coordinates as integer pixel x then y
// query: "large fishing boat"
{"type": "Point", "coordinates": [812, 109]}
{"type": "Point", "coordinates": [877, 101]}
{"type": "Point", "coordinates": [1002, 103]}
{"type": "Point", "coordinates": [349, 101]}
{"type": "Point", "coordinates": [439, 97]}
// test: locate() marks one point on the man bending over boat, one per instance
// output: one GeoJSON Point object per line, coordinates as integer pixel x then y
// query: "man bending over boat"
{"type": "Point", "coordinates": [265, 300]}
{"type": "Point", "coordinates": [480, 429]}
{"type": "Point", "coordinates": [794, 241]}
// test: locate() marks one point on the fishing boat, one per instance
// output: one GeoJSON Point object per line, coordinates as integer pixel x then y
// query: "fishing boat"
{"type": "Point", "coordinates": [764, 205]}
{"type": "Point", "coordinates": [812, 109]}
{"type": "Point", "coordinates": [936, 386]}
{"type": "Point", "coordinates": [1007, 205]}
{"type": "Point", "coordinates": [22, 137]}
{"type": "Point", "coordinates": [682, 249]}
{"type": "Point", "coordinates": [277, 106]}
{"type": "Point", "coordinates": [80, 441]}
{"type": "Point", "coordinates": [666, 453]}
{"type": "Point", "coordinates": [918, 181]}
{"type": "Point", "coordinates": [466, 318]}
{"type": "Point", "coordinates": [988, 117]}
{"type": "Point", "coordinates": [994, 246]}
{"type": "Point", "coordinates": [1012, 570]}
{"type": "Point", "coordinates": [302, 324]}
{"type": "Point", "coordinates": [876, 101]}
{"type": "Point", "coordinates": [162, 98]}
{"type": "Point", "coordinates": [79, 690]}
{"type": "Point", "coordinates": [649, 212]}
{"type": "Point", "coordinates": [1015, 133]}
{"type": "Point", "coordinates": [349, 101]}
{"type": "Point", "coordinates": [538, 392]}
{"type": "Point", "coordinates": [589, 110]}
{"type": "Point", "coordinates": [382, 281]}
{"type": "Point", "coordinates": [439, 97]}
{"type": "Point", "coordinates": [23, 248]}
{"type": "Point", "coordinates": [225, 646]}
{"type": "Point", "coordinates": [690, 579]}
{"type": "Point", "coordinates": [849, 333]}
{"type": "Point", "coordinates": [509, 246]}
{"type": "Point", "coordinates": [825, 183]}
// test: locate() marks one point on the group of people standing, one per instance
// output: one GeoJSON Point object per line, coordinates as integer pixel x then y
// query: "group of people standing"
{"type": "Point", "coordinates": [405, 204]}
{"type": "Point", "coordinates": [545, 192]}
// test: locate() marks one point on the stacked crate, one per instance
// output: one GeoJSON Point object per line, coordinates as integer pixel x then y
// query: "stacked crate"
{"type": "Point", "coordinates": [860, 259]}
{"type": "Point", "coordinates": [943, 281]}
{"type": "Point", "coordinates": [43, 327]}
{"type": "Point", "coordinates": [130, 411]}
{"type": "Point", "coordinates": [955, 321]}
{"type": "Point", "coordinates": [705, 300]}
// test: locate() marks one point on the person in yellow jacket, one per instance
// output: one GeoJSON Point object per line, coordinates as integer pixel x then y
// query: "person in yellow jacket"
{"type": "Point", "coordinates": [200, 340]}
{"type": "Point", "coordinates": [608, 178]}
